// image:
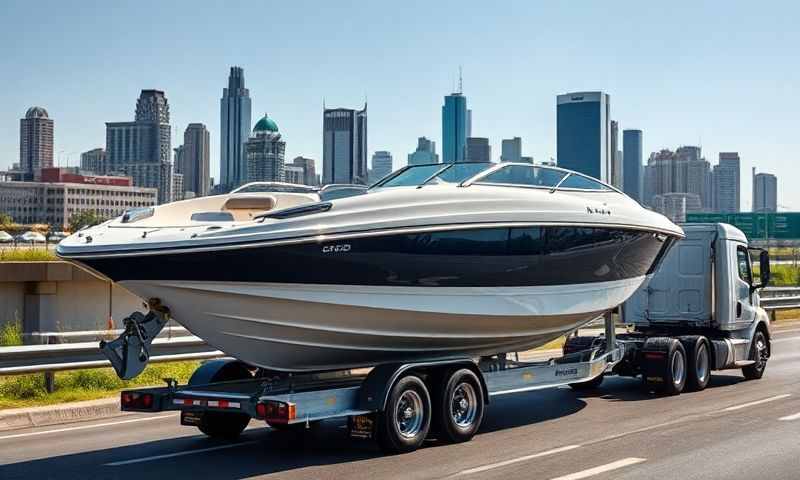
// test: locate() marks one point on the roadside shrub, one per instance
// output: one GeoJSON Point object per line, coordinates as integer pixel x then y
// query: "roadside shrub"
{"type": "Point", "coordinates": [11, 333]}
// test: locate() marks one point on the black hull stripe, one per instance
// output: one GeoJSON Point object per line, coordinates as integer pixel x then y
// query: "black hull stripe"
{"type": "Point", "coordinates": [489, 257]}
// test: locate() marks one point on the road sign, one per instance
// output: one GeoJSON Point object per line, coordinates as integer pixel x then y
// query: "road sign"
{"type": "Point", "coordinates": [780, 225]}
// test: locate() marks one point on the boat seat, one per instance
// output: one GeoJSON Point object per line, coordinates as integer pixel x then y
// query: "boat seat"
{"type": "Point", "coordinates": [244, 208]}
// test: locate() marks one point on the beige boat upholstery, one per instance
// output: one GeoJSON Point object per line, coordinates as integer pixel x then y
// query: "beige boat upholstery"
{"type": "Point", "coordinates": [245, 208]}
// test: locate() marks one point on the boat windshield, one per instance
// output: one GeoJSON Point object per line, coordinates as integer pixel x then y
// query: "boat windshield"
{"type": "Point", "coordinates": [274, 187]}
{"type": "Point", "coordinates": [438, 173]}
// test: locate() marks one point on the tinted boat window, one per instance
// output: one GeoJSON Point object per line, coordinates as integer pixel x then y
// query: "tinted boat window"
{"type": "Point", "coordinates": [562, 239]}
{"type": "Point", "coordinates": [526, 241]}
{"type": "Point", "coordinates": [524, 175]}
{"type": "Point", "coordinates": [490, 241]}
{"type": "Point", "coordinates": [212, 217]}
{"type": "Point", "coordinates": [585, 183]}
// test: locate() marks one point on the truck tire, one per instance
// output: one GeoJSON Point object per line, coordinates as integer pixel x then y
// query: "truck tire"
{"type": "Point", "coordinates": [221, 424]}
{"type": "Point", "coordinates": [759, 351]}
{"type": "Point", "coordinates": [664, 362]}
{"type": "Point", "coordinates": [698, 361]}
{"type": "Point", "coordinates": [404, 423]}
{"type": "Point", "coordinates": [458, 406]}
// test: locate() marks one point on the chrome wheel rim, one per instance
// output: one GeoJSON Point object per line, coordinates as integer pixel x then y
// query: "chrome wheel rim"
{"type": "Point", "coordinates": [678, 363]}
{"type": "Point", "coordinates": [702, 362]}
{"type": "Point", "coordinates": [409, 414]}
{"type": "Point", "coordinates": [464, 405]}
{"type": "Point", "coordinates": [761, 351]}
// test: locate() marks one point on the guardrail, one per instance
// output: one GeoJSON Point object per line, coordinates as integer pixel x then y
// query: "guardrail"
{"type": "Point", "coordinates": [780, 298]}
{"type": "Point", "coordinates": [74, 356]}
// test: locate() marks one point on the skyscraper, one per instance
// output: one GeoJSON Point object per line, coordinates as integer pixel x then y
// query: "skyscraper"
{"type": "Point", "coordinates": [265, 153]}
{"type": "Point", "coordinates": [616, 156]}
{"type": "Point", "coordinates": [726, 183]}
{"type": "Point", "coordinates": [142, 149]}
{"type": "Point", "coordinates": [234, 130]}
{"type": "Point", "coordinates": [381, 165]}
{"type": "Point", "coordinates": [425, 152]}
{"type": "Point", "coordinates": [344, 142]}
{"type": "Point", "coordinates": [94, 161]}
{"type": "Point", "coordinates": [478, 150]}
{"type": "Point", "coordinates": [309, 170]}
{"type": "Point", "coordinates": [632, 163]}
{"type": "Point", "coordinates": [196, 158]}
{"type": "Point", "coordinates": [455, 127]}
{"type": "Point", "coordinates": [35, 143]}
{"type": "Point", "coordinates": [583, 133]}
{"type": "Point", "coordinates": [765, 192]}
{"type": "Point", "coordinates": [511, 150]}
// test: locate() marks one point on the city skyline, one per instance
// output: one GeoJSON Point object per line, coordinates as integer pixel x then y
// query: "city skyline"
{"type": "Point", "coordinates": [672, 109]}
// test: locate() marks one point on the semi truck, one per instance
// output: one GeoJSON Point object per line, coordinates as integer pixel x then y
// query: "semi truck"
{"type": "Point", "coordinates": [697, 313]}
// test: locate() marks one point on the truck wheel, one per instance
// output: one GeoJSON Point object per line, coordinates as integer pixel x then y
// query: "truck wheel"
{"type": "Point", "coordinates": [221, 424]}
{"type": "Point", "coordinates": [404, 423]}
{"type": "Point", "coordinates": [589, 384]}
{"type": "Point", "coordinates": [698, 362]}
{"type": "Point", "coordinates": [759, 351]}
{"type": "Point", "coordinates": [459, 406]}
{"type": "Point", "coordinates": [665, 365]}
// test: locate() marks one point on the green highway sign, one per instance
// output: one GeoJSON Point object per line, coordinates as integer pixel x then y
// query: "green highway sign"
{"type": "Point", "coordinates": [780, 225]}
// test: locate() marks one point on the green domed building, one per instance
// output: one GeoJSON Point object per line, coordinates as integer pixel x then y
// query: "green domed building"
{"type": "Point", "coordinates": [265, 152]}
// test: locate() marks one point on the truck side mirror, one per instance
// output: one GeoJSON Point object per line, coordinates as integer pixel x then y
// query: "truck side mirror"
{"type": "Point", "coordinates": [763, 267]}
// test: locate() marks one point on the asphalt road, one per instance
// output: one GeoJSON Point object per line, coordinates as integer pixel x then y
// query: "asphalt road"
{"type": "Point", "coordinates": [734, 429]}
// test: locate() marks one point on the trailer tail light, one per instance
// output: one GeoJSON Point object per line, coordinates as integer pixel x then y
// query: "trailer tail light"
{"type": "Point", "coordinates": [136, 401]}
{"type": "Point", "coordinates": [277, 412]}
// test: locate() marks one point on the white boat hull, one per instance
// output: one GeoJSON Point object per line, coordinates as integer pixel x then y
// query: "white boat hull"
{"type": "Point", "coordinates": [303, 327]}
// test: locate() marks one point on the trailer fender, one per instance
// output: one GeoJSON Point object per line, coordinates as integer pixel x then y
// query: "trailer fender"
{"type": "Point", "coordinates": [374, 392]}
{"type": "Point", "coordinates": [219, 370]}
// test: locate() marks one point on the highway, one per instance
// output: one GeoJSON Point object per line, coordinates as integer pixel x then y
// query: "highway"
{"type": "Point", "coordinates": [734, 429]}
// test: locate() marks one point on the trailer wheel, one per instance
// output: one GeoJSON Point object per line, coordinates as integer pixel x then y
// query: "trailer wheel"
{"type": "Point", "coordinates": [221, 424]}
{"type": "Point", "coordinates": [404, 423]}
{"type": "Point", "coordinates": [698, 362]}
{"type": "Point", "coordinates": [665, 365]}
{"type": "Point", "coordinates": [759, 351]}
{"type": "Point", "coordinates": [459, 406]}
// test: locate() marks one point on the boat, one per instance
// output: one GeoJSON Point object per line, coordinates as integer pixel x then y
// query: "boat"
{"type": "Point", "coordinates": [432, 261]}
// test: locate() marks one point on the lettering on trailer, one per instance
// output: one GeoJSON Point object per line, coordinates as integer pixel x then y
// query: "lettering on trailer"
{"type": "Point", "coordinates": [567, 372]}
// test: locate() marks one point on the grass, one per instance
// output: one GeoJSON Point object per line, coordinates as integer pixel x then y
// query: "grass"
{"type": "Point", "coordinates": [11, 334]}
{"type": "Point", "coordinates": [29, 390]}
{"type": "Point", "coordinates": [25, 254]}
{"type": "Point", "coordinates": [784, 275]}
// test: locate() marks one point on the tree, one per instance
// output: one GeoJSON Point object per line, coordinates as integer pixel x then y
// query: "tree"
{"type": "Point", "coordinates": [5, 219]}
{"type": "Point", "coordinates": [84, 219]}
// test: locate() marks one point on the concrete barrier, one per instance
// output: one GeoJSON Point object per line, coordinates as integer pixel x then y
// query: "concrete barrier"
{"type": "Point", "coordinates": [60, 297]}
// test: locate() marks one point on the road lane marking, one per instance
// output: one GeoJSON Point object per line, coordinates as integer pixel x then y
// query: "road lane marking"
{"type": "Point", "coordinates": [178, 454]}
{"type": "Point", "coordinates": [789, 418]}
{"type": "Point", "coordinates": [625, 462]}
{"type": "Point", "coordinates": [757, 402]}
{"type": "Point", "coordinates": [777, 340]}
{"type": "Point", "coordinates": [785, 330]}
{"type": "Point", "coordinates": [84, 427]}
{"type": "Point", "coordinates": [492, 466]}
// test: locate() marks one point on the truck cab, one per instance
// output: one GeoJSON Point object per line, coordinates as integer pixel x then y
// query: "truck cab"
{"type": "Point", "coordinates": [707, 288]}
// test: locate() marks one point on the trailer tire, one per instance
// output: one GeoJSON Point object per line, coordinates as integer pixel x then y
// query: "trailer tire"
{"type": "Point", "coordinates": [759, 351]}
{"type": "Point", "coordinates": [664, 365]}
{"type": "Point", "coordinates": [404, 423]}
{"type": "Point", "coordinates": [221, 424]}
{"type": "Point", "coordinates": [698, 362]}
{"type": "Point", "coordinates": [459, 406]}
{"type": "Point", "coordinates": [589, 384]}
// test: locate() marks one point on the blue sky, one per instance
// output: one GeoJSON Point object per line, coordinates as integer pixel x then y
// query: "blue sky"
{"type": "Point", "coordinates": [720, 74]}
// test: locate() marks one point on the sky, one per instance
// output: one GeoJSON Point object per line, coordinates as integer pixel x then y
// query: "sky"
{"type": "Point", "coordinates": [719, 74]}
